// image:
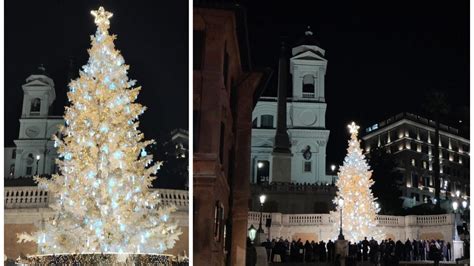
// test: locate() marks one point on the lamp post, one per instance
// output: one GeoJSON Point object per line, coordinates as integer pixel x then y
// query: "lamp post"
{"type": "Point", "coordinates": [262, 201]}
{"type": "Point", "coordinates": [252, 233]}
{"type": "Point", "coordinates": [38, 157]}
{"type": "Point", "coordinates": [340, 203]}
{"type": "Point", "coordinates": [333, 168]}
{"type": "Point", "coordinates": [455, 207]}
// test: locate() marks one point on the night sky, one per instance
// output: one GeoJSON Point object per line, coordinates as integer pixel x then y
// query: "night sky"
{"type": "Point", "coordinates": [383, 56]}
{"type": "Point", "coordinates": [151, 35]}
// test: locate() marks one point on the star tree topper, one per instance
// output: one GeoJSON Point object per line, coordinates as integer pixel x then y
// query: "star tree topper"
{"type": "Point", "coordinates": [353, 129]}
{"type": "Point", "coordinates": [102, 18]}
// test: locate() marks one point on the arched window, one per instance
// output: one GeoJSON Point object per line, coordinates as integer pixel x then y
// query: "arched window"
{"type": "Point", "coordinates": [308, 86]}
{"type": "Point", "coordinates": [266, 121]}
{"type": "Point", "coordinates": [35, 106]}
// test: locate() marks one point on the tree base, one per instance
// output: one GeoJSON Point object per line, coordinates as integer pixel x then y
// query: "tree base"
{"type": "Point", "coordinates": [102, 259]}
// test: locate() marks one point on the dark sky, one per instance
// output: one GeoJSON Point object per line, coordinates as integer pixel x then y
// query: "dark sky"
{"type": "Point", "coordinates": [152, 37]}
{"type": "Point", "coordinates": [383, 56]}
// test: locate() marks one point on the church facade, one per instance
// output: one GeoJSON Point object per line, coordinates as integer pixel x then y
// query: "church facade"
{"type": "Point", "coordinates": [34, 152]}
{"type": "Point", "coordinates": [305, 120]}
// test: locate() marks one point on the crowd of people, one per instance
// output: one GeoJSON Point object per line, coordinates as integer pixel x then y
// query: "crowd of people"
{"type": "Point", "coordinates": [385, 252]}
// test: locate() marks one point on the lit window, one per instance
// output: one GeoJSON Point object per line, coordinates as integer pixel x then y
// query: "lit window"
{"type": "Point", "coordinates": [424, 164]}
{"type": "Point", "coordinates": [413, 162]}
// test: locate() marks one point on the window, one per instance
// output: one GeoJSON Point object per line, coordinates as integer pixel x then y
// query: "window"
{"type": "Point", "coordinates": [424, 164]}
{"type": "Point", "coordinates": [424, 149]}
{"type": "Point", "coordinates": [414, 179]}
{"type": "Point", "coordinates": [307, 167]}
{"type": "Point", "coordinates": [14, 154]}
{"type": "Point", "coordinates": [218, 218]}
{"type": "Point", "coordinates": [266, 121]}
{"type": "Point", "coordinates": [308, 86]}
{"type": "Point", "coordinates": [426, 181]}
{"type": "Point", "coordinates": [413, 162]}
{"type": "Point", "coordinates": [29, 170]}
{"type": "Point", "coordinates": [198, 49]}
{"type": "Point", "coordinates": [35, 106]}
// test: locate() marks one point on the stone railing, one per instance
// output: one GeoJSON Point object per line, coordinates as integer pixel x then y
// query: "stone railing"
{"type": "Point", "coordinates": [293, 187]}
{"type": "Point", "coordinates": [180, 198]}
{"type": "Point", "coordinates": [387, 220]}
{"type": "Point", "coordinates": [303, 219]}
{"type": "Point", "coordinates": [34, 197]}
{"type": "Point", "coordinates": [254, 217]}
{"type": "Point", "coordinates": [327, 219]}
{"type": "Point", "coordinates": [433, 219]}
{"type": "Point", "coordinates": [25, 197]}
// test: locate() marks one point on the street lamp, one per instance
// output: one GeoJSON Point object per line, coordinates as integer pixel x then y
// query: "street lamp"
{"type": "Point", "coordinates": [458, 193]}
{"type": "Point", "coordinates": [262, 201]}
{"type": "Point", "coordinates": [333, 167]}
{"type": "Point", "coordinates": [464, 204]}
{"type": "Point", "coordinates": [260, 165]}
{"type": "Point", "coordinates": [38, 157]}
{"type": "Point", "coordinates": [252, 233]}
{"type": "Point", "coordinates": [377, 205]}
{"type": "Point", "coordinates": [340, 202]}
{"type": "Point", "coordinates": [455, 208]}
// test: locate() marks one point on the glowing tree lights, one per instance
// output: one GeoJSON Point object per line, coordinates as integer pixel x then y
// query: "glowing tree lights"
{"type": "Point", "coordinates": [102, 199]}
{"type": "Point", "coordinates": [359, 209]}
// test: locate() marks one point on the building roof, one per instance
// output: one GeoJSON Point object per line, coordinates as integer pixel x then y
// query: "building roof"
{"type": "Point", "coordinates": [376, 128]}
{"type": "Point", "coordinates": [307, 39]}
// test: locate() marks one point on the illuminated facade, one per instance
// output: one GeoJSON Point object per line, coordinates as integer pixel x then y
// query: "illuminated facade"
{"type": "Point", "coordinates": [36, 128]}
{"type": "Point", "coordinates": [409, 137]}
{"type": "Point", "coordinates": [305, 120]}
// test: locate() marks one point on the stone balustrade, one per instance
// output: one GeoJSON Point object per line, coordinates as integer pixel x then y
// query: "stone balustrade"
{"type": "Point", "coordinates": [433, 220]}
{"type": "Point", "coordinates": [387, 220]}
{"type": "Point", "coordinates": [326, 219]}
{"type": "Point", "coordinates": [325, 226]}
{"type": "Point", "coordinates": [34, 197]}
{"type": "Point", "coordinates": [25, 197]}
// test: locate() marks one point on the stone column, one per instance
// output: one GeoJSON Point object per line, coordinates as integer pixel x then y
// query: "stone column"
{"type": "Point", "coordinates": [281, 156]}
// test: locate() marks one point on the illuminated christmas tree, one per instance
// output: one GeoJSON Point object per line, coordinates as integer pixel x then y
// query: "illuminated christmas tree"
{"type": "Point", "coordinates": [359, 208]}
{"type": "Point", "coordinates": [102, 200]}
